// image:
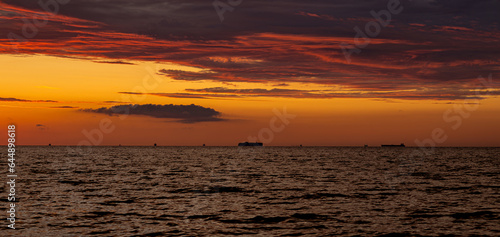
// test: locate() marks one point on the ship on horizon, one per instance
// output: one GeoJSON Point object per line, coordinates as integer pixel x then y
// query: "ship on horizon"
{"type": "Point", "coordinates": [401, 145]}
{"type": "Point", "coordinates": [250, 144]}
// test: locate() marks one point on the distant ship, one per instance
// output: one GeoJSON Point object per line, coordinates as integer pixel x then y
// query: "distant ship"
{"type": "Point", "coordinates": [250, 144]}
{"type": "Point", "coordinates": [402, 145]}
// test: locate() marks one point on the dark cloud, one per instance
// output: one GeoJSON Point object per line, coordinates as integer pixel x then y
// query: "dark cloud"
{"type": "Point", "coordinates": [113, 102]}
{"type": "Point", "coordinates": [182, 113]}
{"type": "Point", "coordinates": [10, 99]}
{"type": "Point", "coordinates": [64, 107]}
{"type": "Point", "coordinates": [195, 96]}
{"type": "Point", "coordinates": [13, 99]}
{"type": "Point", "coordinates": [197, 19]}
{"type": "Point", "coordinates": [115, 62]}
{"type": "Point", "coordinates": [131, 93]}
{"type": "Point", "coordinates": [41, 127]}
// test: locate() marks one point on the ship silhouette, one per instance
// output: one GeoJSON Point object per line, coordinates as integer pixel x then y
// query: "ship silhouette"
{"type": "Point", "coordinates": [402, 145]}
{"type": "Point", "coordinates": [250, 144]}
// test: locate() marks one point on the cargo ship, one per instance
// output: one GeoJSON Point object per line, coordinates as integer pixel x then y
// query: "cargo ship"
{"type": "Point", "coordinates": [402, 145]}
{"type": "Point", "coordinates": [250, 144]}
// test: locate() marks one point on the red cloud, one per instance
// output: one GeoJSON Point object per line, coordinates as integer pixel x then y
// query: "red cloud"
{"type": "Point", "coordinates": [409, 60]}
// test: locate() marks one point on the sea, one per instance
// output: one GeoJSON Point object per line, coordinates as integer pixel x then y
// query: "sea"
{"type": "Point", "coordinates": [253, 191]}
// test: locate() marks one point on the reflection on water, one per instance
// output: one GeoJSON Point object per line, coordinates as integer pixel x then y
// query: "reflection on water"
{"type": "Point", "coordinates": [270, 191]}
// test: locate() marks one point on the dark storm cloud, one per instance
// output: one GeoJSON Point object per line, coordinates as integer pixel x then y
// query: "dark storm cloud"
{"type": "Point", "coordinates": [183, 113]}
{"type": "Point", "coordinates": [430, 44]}
{"type": "Point", "coordinates": [199, 19]}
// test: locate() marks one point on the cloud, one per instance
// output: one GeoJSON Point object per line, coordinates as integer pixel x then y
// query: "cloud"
{"type": "Point", "coordinates": [432, 44]}
{"type": "Point", "coordinates": [116, 62]}
{"type": "Point", "coordinates": [41, 127]}
{"type": "Point", "coordinates": [113, 102]}
{"type": "Point", "coordinates": [182, 113]}
{"type": "Point", "coordinates": [185, 95]}
{"type": "Point", "coordinates": [64, 107]}
{"type": "Point", "coordinates": [443, 93]}
{"type": "Point", "coordinates": [10, 99]}
{"type": "Point", "coordinates": [131, 93]}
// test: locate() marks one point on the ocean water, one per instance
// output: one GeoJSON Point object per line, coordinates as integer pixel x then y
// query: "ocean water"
{"type": "Point", "coordinates": [261, 191]}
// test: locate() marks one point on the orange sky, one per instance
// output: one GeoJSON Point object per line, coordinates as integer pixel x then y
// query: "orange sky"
{"type": "Point", "coordinates": [79, 84]}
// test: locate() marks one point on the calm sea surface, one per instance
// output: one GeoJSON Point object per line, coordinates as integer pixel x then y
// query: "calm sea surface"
{"type": "Point", "coordinates": [269, 191]}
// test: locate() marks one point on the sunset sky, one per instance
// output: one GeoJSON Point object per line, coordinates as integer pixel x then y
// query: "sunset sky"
{"type": "Point", "coordinates": [205, 72]}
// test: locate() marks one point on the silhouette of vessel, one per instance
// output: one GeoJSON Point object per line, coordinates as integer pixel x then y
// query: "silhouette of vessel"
{"type": "Point", "coordinates": [250, 144]}
{"type": "Point", "coordinates": [402, 145]}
